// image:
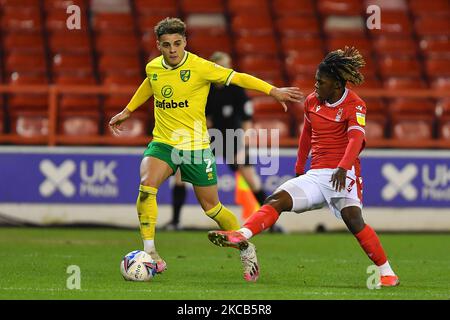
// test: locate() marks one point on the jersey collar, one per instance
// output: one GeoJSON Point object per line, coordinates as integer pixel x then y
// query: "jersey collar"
{"type": "Point", "coordinates": [165, 65]}
{"type": "Point", "coordinates": [333, 105]}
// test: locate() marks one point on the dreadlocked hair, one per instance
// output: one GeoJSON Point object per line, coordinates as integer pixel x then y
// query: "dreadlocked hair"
{"type": "Point", "coordinates": [344, 65]}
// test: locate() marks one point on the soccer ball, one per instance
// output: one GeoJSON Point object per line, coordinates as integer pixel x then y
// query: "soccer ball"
{"type": "Point", "coordinates": [138, 266]}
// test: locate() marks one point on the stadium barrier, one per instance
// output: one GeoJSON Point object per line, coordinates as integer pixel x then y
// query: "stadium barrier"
{"type": "Point", "coordinates": [404, 190]}
{"type": "Point", "coordinates": [55, 138]}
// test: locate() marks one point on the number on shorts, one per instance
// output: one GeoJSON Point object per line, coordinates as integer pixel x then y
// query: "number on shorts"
{"type": "Point", "coordinates": [208, 165]}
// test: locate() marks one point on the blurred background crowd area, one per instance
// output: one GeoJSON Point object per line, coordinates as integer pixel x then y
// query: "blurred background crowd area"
{"type": "Point", "coordinates": [407, 68]}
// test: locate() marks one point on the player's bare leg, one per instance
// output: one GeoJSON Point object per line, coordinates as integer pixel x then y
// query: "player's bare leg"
{"type": "Point", "coordinates": [370, 243]}
{"type": "Point", "coordinates": [153, 172]}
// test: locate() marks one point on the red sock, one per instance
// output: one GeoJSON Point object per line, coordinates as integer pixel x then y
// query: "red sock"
{"type": "Point", "coordinates": [262, 219]}
{"type": "Point", "coordinates": [371, 245]}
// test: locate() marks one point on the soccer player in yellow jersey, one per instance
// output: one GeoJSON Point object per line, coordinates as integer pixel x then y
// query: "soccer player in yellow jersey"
{"type": "Point", "coordinates": [180, 82]}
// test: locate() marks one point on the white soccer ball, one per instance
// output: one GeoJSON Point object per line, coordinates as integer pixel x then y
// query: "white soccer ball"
{"type": "Point", "coordinates": [138, 266]}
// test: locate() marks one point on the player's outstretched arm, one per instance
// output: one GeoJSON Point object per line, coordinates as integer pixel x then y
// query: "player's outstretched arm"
{"type": "Point", "coordinates": [282, 95]}
{"type": "Point", "coordinates": [142, 94]}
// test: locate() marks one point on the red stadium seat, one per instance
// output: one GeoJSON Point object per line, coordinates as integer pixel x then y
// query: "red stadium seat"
{"type": "Point", "coordinates": [79, 123]}
{"type": "Point", "coordinates": [394, 83]}
{"type": "Point", "coordinates": [394, 23]}
{"type": "Point", "coordinates": [24, 42]}
{"type": "Point", "coordinates": [79, 102]}
{"type": "Point", "coordinates": [20, 4]}
{"type": "Point", "coordinates": [28, 123]}
{"type": "Point", "coordinates": [395, 46]}
{"type": "Point", "coordinates": [262, 45]}
{"type": "Point", "coordinates": [304, 66]}
{"type": "Point", "coordinates": [306, 84]}
{"type": "Point", "coordinates": [375, 126]}
{"type": "Point", "coordinates": [257, 7]}
{"type": "Point", "coordinates": [168, 8]}
{"type": "Point", "coordinates": [421, 7]}
{"type": "Point", "coordinates": [25, 62]}
{"type": "Point", "coordinates": [265, 106]}
{"type": "Point", "coordinates": [277, 123]}
{"type": "Point", "coordinates": [297, 26]}
{"type": "Point", "coordinates": [413, 127]}
{"type": "Point", "coordinates": [68, 42]}
{"type": "Point", "coordinates": [72, 63]}
{"type": "Point", "coordinates": [261, 66]}
{"type": "Point", "coordinates": [117, 43]}
{"type": "Point", "coordinates": [444, 128]}
{"type": "Point", "coordinates": [441, 83]}
{"type": "Point", "coordinates": [148, 22]}
{"type": "Point", "coordinates": [26, 102]}
{"type": "Point", "coordinates": [22, 21]}
{"type": "Point", "coordinates": [444, 119]}
{"type": "Point", "coordinates": [437, 67]}
{"type": "Point", "coordinates": [351, 26]}
{"type": "Point", "coordinates": [120, 79]}
{"type": "Point", "coordinates": [370, 82]}
{"type": "Point", "coordinates": [435, 46]}
{"type": "Point", "coordinates": [375, 106]}
{"type": "Point", "coordinates": [297, 45]}
{"type": "Point", "coordinates": [202, 6]}
{"type": "Point", "coordinates": [409, 106]}
{"type": "Point", "coordinates": [77, 78]}
{"type": "Point", "coordinates": [113, 23]}
{"type": "Point", "coordinates": [293, 7]}
{"type": "Point", "coordinates": [392, 66]}
{"type": "Point", "coordinates": [432, 25]}
{"type": "Point", "coordinates": [340, 7]}
{"type": "Point", "coordinates": [363, 44]}
{"type": "Point", "coordinates": [205, 45]}
{"type": "Point", "coordinates": [249, 24]}
{"type": "Point", "coordinates": [120, 64]}
{"type": "Point", "coordinates": [148, 43]}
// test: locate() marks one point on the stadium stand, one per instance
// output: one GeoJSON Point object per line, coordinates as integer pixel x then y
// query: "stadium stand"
{"type": "Point", "coordinates": [91, 72]}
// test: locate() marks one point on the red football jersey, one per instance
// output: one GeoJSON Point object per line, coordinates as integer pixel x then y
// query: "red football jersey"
{"type": "Point", "coordinates": [330, 124]}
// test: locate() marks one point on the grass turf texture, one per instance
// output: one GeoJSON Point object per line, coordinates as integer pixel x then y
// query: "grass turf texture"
{"type": "Point", "coordinates": [296, 266]}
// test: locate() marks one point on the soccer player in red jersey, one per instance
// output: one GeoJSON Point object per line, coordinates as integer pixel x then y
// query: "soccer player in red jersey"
{"type": "Point", "coordinates": [334, 133]}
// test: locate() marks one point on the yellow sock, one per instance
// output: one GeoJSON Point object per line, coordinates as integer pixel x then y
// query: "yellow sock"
{"type": "Point", "coordinates": [147, 209]}
{"type": "Point", "coordinates": [224, 217]}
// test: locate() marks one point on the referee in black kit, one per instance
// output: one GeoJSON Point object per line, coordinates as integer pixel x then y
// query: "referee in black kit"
{"type": "Point", "coordinates": [228, 107]}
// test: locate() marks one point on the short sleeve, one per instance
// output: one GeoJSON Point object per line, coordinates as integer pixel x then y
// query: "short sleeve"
{"type": "Point", "coordinates": [356, 117]}
{"type": "Point", "coordinates": [213, 72]}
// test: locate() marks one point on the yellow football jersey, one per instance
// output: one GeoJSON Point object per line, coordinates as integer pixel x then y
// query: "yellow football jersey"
{"type": "Point", "coordinates": [180, 95]}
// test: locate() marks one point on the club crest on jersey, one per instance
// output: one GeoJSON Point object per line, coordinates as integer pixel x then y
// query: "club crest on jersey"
{"type": "Point", "coordinates": [339, 114]}
{"type": "Point", "coordinates": [185, 75]}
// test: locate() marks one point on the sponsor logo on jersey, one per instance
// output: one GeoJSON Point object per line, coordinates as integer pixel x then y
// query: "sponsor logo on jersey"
{"type": "Point", "coordinates": [361, 118]}
{"type": "Point", "coordinates": [167, 91]}
{"type": "Point", "coordinates": [171, 104]}
{"type": "Point", "coordinates": [185, 75]}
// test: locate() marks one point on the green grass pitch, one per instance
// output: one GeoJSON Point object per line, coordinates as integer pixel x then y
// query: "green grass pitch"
{"type": "Point", "coordinates": [293, 267]}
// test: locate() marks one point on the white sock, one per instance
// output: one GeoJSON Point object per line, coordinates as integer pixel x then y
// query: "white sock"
{"type": "Point", "coordinates": [149, 246]}
{"type": "Point", "coordinates": [247, 233]}
{"type": "Point", "coordinates": [386, 270]}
